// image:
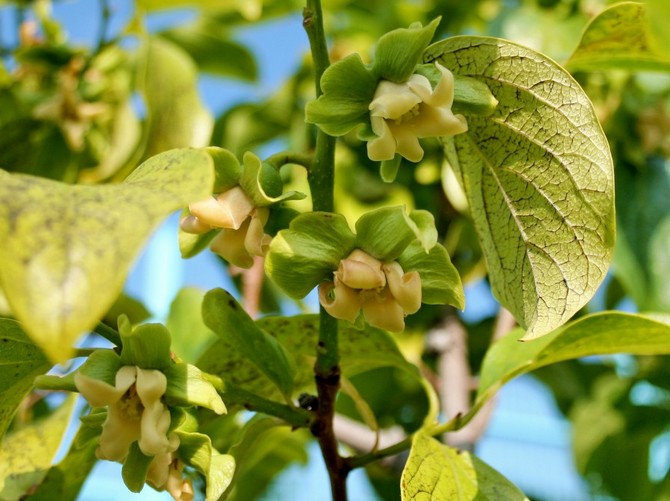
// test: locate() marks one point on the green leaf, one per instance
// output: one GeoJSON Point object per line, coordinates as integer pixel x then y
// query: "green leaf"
{"type": "Point", "coordinates": [66, 249]}
{"type": "Point", "coordinates": [207, 42]}
{"type": "Point", "coordinates": [102, 365]}
{"type": "Point", "coordinates": [435, 472]}
{"type": "Point", "coordinates": [658, 24]}
{"type": "Point", "coordinates": [176, 117]}
{"type": "Point", "coordinates": [598, 334]}
{"type": "Point", "coordinates": [440, 281]}
{"type": "Point", "coordinates": [227, 169]}
{"type": "Point", "coordinates": [360, 351]}
{"type": "Point", "coordinates": [617, 38]}
{"type": "Point", "coordinates": [20, 362]}
{"type": "Point", "coordinates": [190, 335]}
{"type": "Point", "coordinates": [263, 183]}
{"type": "Point", "coordinates": [26, 454]}
{"type": "Point", "coordinates": [224, 315]}
{"type": "Point", "coordinates": [196, 449]}
{"type": "Point", "coordinates": [308, 252]}
{"type": "Point", "coordinates": [187, 385]}
{"type": "Point", "coordinates": [539, 180]}
{"type": "Point", "coordinates": [385, 233]}
{"type": "Point", "coordinates": [65, 480]}
{"type": "Point", "coordinates": [135, 468]}
{"type": "Point", "coordinates": [399, 51]}
{"type": "Point", "coordinates": [348, 88]}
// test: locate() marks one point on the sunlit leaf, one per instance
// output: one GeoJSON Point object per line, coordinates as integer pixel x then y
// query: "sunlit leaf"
{"type": "Point", "coordinates": [176, 117]}
{"type": "Point", "coordinates": [66, 249]}
{"type": "Point", "coordinates": [26, 454]}
{"type": "Point", "coordinates": [435, 472]}
{"type": "Point", "coordinates": [20, 362]}
{"type": "Point", "coordinates": [598, 334]}
{"type": "Point", "coordinates": [658, 23]}
{"type": "Point", "coordinates": [617, 38]}
{"type": "Point", "coordinates": [539, 180]}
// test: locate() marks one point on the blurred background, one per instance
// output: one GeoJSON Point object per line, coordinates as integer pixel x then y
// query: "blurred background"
{"type": "Point", "coordinates": [90, 88]}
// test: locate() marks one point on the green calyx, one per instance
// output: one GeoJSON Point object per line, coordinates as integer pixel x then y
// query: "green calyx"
{"type": "Point", "coordinates": [146, 346]}
{"type": "Point", "coordinates": [311, 249]}
{"type": "Point", "coordinates": [349, 85]}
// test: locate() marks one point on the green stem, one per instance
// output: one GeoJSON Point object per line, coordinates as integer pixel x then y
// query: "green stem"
{"type": "Point", "coordinates": [290, 157]}
{"type": "Point", "coordinates": [295, 416]}
{"type": "Point", "coordinates": [108, 333]}
{"type": "Point", "coordinates": [321, 184]}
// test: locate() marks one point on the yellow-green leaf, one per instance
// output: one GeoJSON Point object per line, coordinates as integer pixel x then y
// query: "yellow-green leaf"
{"type": "Point", "coordinates": [26, 455]}
{"type": "Point", "coordinates": [436, 472]}
{"type": "Point", "coordinates": [66, 249]}
{"type": "Point", "coordinates": [20, 362]}
{"type": "Point", "coordinates": [618, 38]}
{"type": "Point", "coordinates": [538, 177]}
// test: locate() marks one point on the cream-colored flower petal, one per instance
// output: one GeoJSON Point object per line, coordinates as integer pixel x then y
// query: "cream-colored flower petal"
{"type": "Point", "coordinates": [151, 386]}
{"type": "Point", "coordinates": [437, 122]}
{"type": "Point", "coordinates": [229, 244]}
{"type": "Point", "coordinates": [179, 487]}
{"type": "Point", "coordinates": [256, 241]}
{"type": "Point", "coordinates": [159, 470]}
{"type": "Point", "coordinates": [359, 270]}
{"type": "Point", "coordinates": [339, 300]}
{"type": "Point", "coordinates": [405, 287]}
{"type": "Point", "coordinates": [383, 311]}
{"type": "Point", "coordinates": [96, 392]}
{"type": "Point", "coordinates": [392, 100]}
{"type": "Point", "coordinates": [407, 143]}
{"type": "Point", "coordinates": [383, 146]}
{"type": "Point", "coordinates": [191, 224]}
{"type": "Point", "coordinates": [227, 210]}
{"type": "Point", "coordinates": [118, 431]}
{"type": "Point", "coordinates": [443, 95]}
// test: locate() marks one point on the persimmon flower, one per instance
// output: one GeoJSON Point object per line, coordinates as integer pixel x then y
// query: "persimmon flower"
{"type": "Point", "coordinates": [401, 113]}
{"type": "Point", "coordinates": [382, 290]}
{"type": "Point", "coordinates": [135, 412]}
{"type": "Point", "coordinates": [242, 225]}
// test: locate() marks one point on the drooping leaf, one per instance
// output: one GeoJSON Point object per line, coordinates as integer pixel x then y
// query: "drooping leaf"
{"type": "Point", "coordinates": [224, 315]}
{"type": "Point", "coordinates": [538, 176]}
{"type": "Point", "coordinates": [190, 335]}
{"type": "Point", "coordinates": [20, 362]}
{"type": "Point", "coordinates": [598, 334]}
{"type": "Point", "coordinates": [176, 117]}
{"type": "Point", "coordinates": [435, 472]}
{"type": "Point", "coordinates": [618, 38]}
{"type": "Point", "coordinates": [196, 449]}
{"type": "Point", "coordinates": [66, 249]}
{"type": "Point", "coordinates": [26, 454]}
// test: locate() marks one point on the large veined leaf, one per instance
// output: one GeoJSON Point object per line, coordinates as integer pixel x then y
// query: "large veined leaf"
{"type": "Point", "coordinates": [66, 249]}
{"type": "Point", "coordinates": [618, 38]}
{"type": "Point", "coordinates": [598, 334]}
{"type": "Point", "coordinates": [20, 362]}
{"type": "Point", "coordinates": [26, 454]}
{"type": "Point", "coordinates": [538, 177]}
{"type": "Point", "coordinates": [435, 472]}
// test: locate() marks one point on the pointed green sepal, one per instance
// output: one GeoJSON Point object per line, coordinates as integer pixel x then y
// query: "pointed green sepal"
{"type": "Point", "coordinates": [226, 169]}
{"type": "Point", "coordinates": [399, 51]}
{"type": "Point", "coordinates": [385, 233]}
{"type": "Point", "coordinates": [102, 365]}
{"type": "Point", "coordinates": [263, 184]}
{"type": "Point", "coordinates": [388, 169]}
{"type": "Point", "coordinates": [308, 252]}
{"type": "Point", "coordinates": [91, 426]}
{"type": "Point", "coordinates": [440, 281]}
{"type": "Point", "coordinates": [147, 346]}
{"type": "Point", "coordinates": [196, 449]}
{"type": "Point", "coordinates": [472, 97]}
{"type": "Point", "coordinates": [135, 468]}
{"type": "Point", "coordinates": [56, 383]}
{"type": "Point", "coordinates": [348, 89]}
{"type": "Point", "coordinates": [187, 385]}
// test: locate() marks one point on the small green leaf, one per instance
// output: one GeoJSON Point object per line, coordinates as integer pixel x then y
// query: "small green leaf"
{"type": "Point", "coordinates": [435, 472]}
{"type": "Point", "coordinates": [348, 88]}
{"type": "Point", "coordinates": [224, 315]}
{"type": "Point", "coordinates": [388, 169]}
{"type": "Point", "coordinates": [440, 281]}
{"type": "Point", "coordinates": [176, 117]}
{"type": "Point", "coordinates": [190, 335]}
{"type": "Point", "coordinates": [399, 51]}
{"type": "Point", "coordinates": [20, 362]}
{"type": "Point", "coordinates": [196, 449]}
{"type": "Point", "coordinates": [66, 249]}
{"type": "Point", "coordinates": [599, 334]}
{"type": "Point", "coordinates": [308, 252]}
{"type": "Point", "coordinates": [617, 38]}
{"type": "Point", "coordinates": [26, 454]}
{"type": "Point", "coordinates": [135, 468]}
{"type": "Point", "coordinates": [539, 180]}
{"type": "Point", "coordinates": [263, 183]}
